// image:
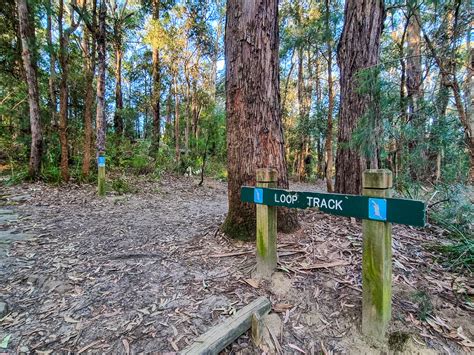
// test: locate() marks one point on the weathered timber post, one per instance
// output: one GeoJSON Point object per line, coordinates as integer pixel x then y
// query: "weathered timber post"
{"type": "Point", "coordinates": [376, 255]}
{"type": "Point", "coordinates": [101, 174]}
{"type": "Point", "coordinates": [266, 226]}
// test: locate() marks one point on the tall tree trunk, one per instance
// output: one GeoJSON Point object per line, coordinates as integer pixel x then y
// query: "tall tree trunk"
{"type": "Point", "coordinates": [89, 69]}
{"type": "Point", "coordinates": [27, 36]}
{"type": "Point", "coordinates": [254, 128]}
{"type": "Point", "coordinates": [397, 152]}
{"type": "Point", "coordinates": [101, 123]}
{"type": "Point", "coordinates": [287, 82]}
{"type": "Point", "coordinates": [469, 96]}
{"type": "Point", "coordinates": [176, 119]}
{"type": "Point", "coordinates": [303, 116]}
{"type": "Point", "coordinates": [470, 102]}
{"type": "Point", "coordinates": [196, 111]}
{"type": "Point", "coordinates": [118, 119]}
{"type": "Point", "coordinates": [168, 134]}
{"type": "Point", "coordinates": [414, 79]}
{"type": "Point", "coordinates": [52, 67]}
{"type": "Point", "coordinates": [358, 49]}
{"type": "Point", "coordinates": [145, 120]}
{"type": "Point", "coordinates": [156, 91]}
{"type": "Point", "coordinates": [63, 95]}
{"type": "Point", "coordinates": [414, 82]}
{"type": "Point", "coordinates": [329, 129]}
{"type": "Point", "coordinates": [188, 114]}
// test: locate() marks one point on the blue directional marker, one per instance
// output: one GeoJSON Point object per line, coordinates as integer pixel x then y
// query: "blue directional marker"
{"type": "Point", "coordinates": [101, 161]}
{"type": "Point", "coordinates": [378, 209]}
{"type": "Point", "coordinates": [258, 196]}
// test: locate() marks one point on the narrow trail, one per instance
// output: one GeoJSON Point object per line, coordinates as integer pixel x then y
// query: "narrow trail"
{"type": "Point", "coordinates": [150, 271]}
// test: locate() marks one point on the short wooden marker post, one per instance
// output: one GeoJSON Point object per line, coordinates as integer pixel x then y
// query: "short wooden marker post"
{"type": "Point", "coordinates": [376, 256]}
{"type": "Point", "coordinates": [266, 226]}
{"type": "Point", "coordinates": [101, 174]}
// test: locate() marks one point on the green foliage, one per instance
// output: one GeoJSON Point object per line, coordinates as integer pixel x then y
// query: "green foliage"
{"type": "Point", "coordinates": [454, 212]}
{"type": "Point", "coordinates": [424, 304]}
{"type": "Point", "coordinates": [18, 176]}
{"type": "Point", "coordinates": [51, 174]}
{"type": "Point", "coordinates": [122, 186]}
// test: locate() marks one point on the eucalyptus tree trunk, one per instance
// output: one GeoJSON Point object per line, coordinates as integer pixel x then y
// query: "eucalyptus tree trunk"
{"type": "Point", "coordinates": [196, 111]}
{"type": "Point", "coordinates": [27, 35]}
{"type": "Point", "coordinates": [414, 84]}
{"type": "Point", "coordinates": [89, 51]}
{"type": "Point", "coordinates": [470, 105]}
{"type": "Point", "coordinates": [101, 124]}
{"type": "Point", "coordinates": [52, 67]}
{"type": "Point", "coordinates": [254, 128]}
{"type": "Point", "coordinates": [358, 49]}
{"type": "Point", "coordinates": [118, 119]}
{"type": "Point", "coordinates": [63, 94]}
{"type": "Point", "coordinates": [414, 79]}
{"type": "Point", "coordinates": [302, 116]}
{"type": "Point", "coordinates": [397, 151]}
{"type": "Point", "coordinates": [64, 35]}
{"type": "Point", "coordinates": [329, 129]}
{"type": "Point", "coordinates": [304, 104]}
{"type": "Point", "coordinates": [176, 119]}
{"type": "Point", "coordinates": [187, 130]}
{"type": "Point", "coordinates": [156, 87]}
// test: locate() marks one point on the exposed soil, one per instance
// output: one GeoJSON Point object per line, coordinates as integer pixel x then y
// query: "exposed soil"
{"type": "Point", "coordinates": [150, 271]}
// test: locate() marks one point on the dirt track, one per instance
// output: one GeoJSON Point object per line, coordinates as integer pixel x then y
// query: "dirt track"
{"type": "Point", "coordinates": [150, 271]}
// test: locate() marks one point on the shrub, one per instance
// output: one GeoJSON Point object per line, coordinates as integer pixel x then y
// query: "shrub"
{"type": "Point", "coordinates": [454, 212]}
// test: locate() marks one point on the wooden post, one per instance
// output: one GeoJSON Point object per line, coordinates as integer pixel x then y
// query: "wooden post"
{"type": "Point", "coordinates": [257, 329]}
{"type": "Point", "coordinates": [101, 174]}
{"type": "Point", "coordinates": [266, 227]}
{"type": "Point", "coordinates": [376, 256]}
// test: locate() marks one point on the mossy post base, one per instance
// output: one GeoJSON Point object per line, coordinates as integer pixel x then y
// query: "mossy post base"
{"type": "Point", "coordinates": [101, 175]}
{"type": "Point", "coordinates": [266, 227]}
{"type": "Point", "coordinates": [376, 260]}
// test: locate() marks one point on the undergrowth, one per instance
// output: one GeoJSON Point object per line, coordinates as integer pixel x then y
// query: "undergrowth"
{"type": "Point", "coordinates": [454, 212]}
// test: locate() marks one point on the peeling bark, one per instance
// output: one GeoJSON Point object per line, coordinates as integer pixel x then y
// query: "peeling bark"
{"type": "Point", "coordinates": [358, 49]}
{"type": "Point", "coordinates": [254, 128]}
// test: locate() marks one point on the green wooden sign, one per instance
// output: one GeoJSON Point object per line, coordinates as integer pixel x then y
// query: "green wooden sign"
{"type": "Point", "coordinates": [394, 210]}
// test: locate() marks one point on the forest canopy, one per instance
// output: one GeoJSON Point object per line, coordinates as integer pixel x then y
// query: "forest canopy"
{"type": "Point", "coordinates": [149, 86]}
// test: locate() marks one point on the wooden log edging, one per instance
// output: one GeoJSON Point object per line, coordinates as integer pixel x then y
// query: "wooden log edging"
{"type": "Point", "coordinates": [223, 334]}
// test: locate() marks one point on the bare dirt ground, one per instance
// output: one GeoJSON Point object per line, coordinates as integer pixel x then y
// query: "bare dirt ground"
{"type": "Point", "coordinates": [150, 271]}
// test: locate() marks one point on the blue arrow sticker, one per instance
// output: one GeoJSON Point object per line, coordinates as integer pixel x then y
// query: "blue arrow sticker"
{"type": "Point", "coordinates": [101, 161]}
{"type": "Point", "coordinates": [258, 196]}
{"type": "Point", "coordinates": [378, 209]}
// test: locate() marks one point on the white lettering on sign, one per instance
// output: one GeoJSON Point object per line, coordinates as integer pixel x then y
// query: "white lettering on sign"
{"type": "Point", "coordinates": [288, 199]}
{"type": "Point", "coordinates": [323, 203]}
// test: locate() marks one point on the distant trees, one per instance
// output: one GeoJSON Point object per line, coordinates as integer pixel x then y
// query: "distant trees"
{"type": "Point", "coordinates": [410, 110]}
{"type": "Point", "coordinates": [254, 128]}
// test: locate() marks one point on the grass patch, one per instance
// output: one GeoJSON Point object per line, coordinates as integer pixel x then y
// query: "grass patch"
{"type": "Point", "coordinates": [397, 341]}
{"type": "Point", "coordinates": [424, 305]}
{"type": "Point", "coordinates": [121, 186]}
